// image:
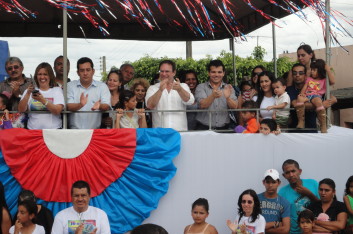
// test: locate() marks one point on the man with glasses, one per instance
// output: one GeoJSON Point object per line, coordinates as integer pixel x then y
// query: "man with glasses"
{"type": "Point", "coordinates": [215, 95]}
{"type": "Point", "coordinates": [299, 77]}
{"type": "Point", "coordinates": [16, 83]}
{"type": "Point", "coordinates": [169, 94]}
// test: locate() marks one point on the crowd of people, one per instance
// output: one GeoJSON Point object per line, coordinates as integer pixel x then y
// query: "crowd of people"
{"type": "Point", "coordinates": [301, 206]}
{"type": "Point", "coordinates": [126, 98]}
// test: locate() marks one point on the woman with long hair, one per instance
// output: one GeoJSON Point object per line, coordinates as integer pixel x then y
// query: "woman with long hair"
{"type": "Point", "coordinates": [249, 219]}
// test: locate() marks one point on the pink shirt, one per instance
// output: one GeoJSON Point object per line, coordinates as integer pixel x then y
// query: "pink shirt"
{"type": "Point", "coordinates": [315, 87]}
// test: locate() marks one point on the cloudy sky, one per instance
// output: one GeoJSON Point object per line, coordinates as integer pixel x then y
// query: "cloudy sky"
{"type": "Point", "coordinates": [290, 34]}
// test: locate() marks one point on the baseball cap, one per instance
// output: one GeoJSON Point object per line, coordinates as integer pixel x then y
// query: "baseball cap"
{"type": "Point", "coordinates": [273, 173]}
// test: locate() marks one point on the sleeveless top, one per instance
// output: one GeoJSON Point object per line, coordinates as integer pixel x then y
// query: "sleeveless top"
{"type": "Point", "coordinates": [203, 231]}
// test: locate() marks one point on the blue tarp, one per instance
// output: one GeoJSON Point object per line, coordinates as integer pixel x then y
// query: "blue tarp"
{"type": "Point", "coordinates": [4, 54]}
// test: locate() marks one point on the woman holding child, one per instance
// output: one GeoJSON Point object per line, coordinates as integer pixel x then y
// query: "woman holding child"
{"type": "Point", "coordinates": [265, 94]}
{"type": "Point", "coordinates": [330, 214]}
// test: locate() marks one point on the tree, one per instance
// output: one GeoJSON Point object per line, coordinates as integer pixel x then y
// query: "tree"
{"type": "Point", "coordinates": [147, 66]}
{"type": "Point", "coordinates": [258, 53]}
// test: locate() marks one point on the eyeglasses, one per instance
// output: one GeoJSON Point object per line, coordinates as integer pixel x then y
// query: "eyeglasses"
{"type": "Point", "coordinates": [256, 74]}
{"type": "Point", "coordinates": [298, 73]}
{"type": "Point", "coordinates": [164, 71]}
{"type": "Point", "coordinates": [246, 201]}
{"type": "Point", "coordinates": [13, 68]}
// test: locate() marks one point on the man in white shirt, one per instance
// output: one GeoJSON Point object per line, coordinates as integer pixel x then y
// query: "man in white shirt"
{"type": "Point", "coordinates": [169, 94]}
{"type": "Point", "coordinates": [81, 216]}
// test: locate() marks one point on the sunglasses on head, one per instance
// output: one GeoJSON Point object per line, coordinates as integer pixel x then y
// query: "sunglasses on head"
{"type": "Point", "coordinates": [246, 201]}
{"type": "Point", "coordinates": [298, 73]}
{"type": "Point", "coordinates": [13, 68]}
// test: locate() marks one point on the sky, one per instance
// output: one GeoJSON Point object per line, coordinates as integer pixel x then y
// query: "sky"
{"type": "Point", "coordinates": [291, 32]}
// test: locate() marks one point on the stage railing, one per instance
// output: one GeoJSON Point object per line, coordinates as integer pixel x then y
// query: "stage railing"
{"type": "Point", "coordinates": [210, 112]}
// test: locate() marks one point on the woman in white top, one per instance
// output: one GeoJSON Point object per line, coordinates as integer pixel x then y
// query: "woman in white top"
{"type": "Point", "coordinates": [27, 211]}
{"type": "Point", "coordinates": [249, 219]}
{"type": "Point", "coordinates": [134, 119]}
{"type": "Point", "coordinates": [44, 98]}
{"type": "Point", "coordinates": [265, 95]}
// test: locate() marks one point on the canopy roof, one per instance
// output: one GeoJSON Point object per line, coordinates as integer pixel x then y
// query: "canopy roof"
{"type": "Point", "coordinates": [141, 19]}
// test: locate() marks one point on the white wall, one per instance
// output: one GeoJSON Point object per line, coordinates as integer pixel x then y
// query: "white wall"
{"type": "Point", "coordinates": [220, 166]}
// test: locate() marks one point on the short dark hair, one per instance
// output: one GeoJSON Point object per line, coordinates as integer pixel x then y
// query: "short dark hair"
{"type": "Point", "coordinates": [250, 104]}
{"type": "Point", "coordinates": [271, 123]}
{"type": "Point", "coordinates": [291, 161]}
{"type": "Point", "coordinates": [5, 100]}
{"type": "Point", "coordinates": [201, 202]}
{"type": "Point", "coordinates": [299, 65]}
{"type": "Point", "coordinates": [84, 60]}
{"type": "Point", "coordinates": [307, 215]}
{"type": "Point", "coordinates": [79, 185]}
{"type": "Point", "coordinates": [60, 56]}
{"type": "Point", "coordinates": [170, 62]}
{"type": "Point", "coordinates": [245, 82]}
{"type": "Point", "coordinates": [126, 65]}
{"type": "Point", "coordinates": [215, 63]}
{"type": "Point", "coordinates": [280, 80]}
{"type": "Point", "coordinates": [149, 228]}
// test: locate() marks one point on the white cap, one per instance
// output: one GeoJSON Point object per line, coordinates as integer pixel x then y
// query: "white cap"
{"type": "Point", "coordinates": [273, 173]}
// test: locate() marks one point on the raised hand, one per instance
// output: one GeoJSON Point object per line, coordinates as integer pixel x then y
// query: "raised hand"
{"type": "Point", "coordinates": [176, 85]}
{"type": "Point", "coordinates": [163, 84]}
{"type": "Point", "coordinates": [227, 91]}
{"type": "Point", "coordinates": [96, 105]}
{"type": "Point", "coordinates": [83, 99]}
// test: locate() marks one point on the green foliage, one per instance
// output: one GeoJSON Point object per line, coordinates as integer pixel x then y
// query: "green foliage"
{"type": "Point", "coordinates": [147, 66]}
{"type": "Point", "coordinates": [259, 53]}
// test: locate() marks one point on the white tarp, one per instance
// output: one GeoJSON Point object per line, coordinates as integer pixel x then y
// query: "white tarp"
{"type": "Point", "coordinates": [220, 166]}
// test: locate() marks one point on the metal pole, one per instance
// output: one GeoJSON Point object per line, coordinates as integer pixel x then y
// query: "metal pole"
{"type": "Point", "coordinates": [328, 52]}
{"type": "Point", "coordinates": [65, 64]}
{"type": "Point", "coordinates": [274, 49]}
{"type": "Point", "coordinates": [231, 46]}
{"type": "Point", "coordinates": [188, 49]}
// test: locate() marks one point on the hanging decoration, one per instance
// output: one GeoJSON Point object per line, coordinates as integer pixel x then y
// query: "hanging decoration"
{"type": "Point", "coordinates": [191, 14]}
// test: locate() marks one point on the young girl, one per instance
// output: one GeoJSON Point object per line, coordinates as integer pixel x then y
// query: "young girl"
{"type": "Point", "coordinates": [27, 211]}
{"type": "Point", "coordinates": [247, 92]}
{"type": "Point", "coordinates": [306, 221]}
{"type": "Point", "coordinates": [348, 201]}
{"type": "Point", "coordinates": [199, 214]}
{"type": "Point", "coordinates": [135, 119]}
{"type": "Point", "coordinates": [5, 121]}
{"type": "Point", "coordinates": [313, 91]}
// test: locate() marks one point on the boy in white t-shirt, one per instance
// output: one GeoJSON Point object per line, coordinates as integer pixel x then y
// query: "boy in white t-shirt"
{"type": "Point", "coordinates": [282, 101]}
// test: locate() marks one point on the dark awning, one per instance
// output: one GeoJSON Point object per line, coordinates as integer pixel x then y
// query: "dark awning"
{"type": "Point", "coordinates": [169, 17]}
